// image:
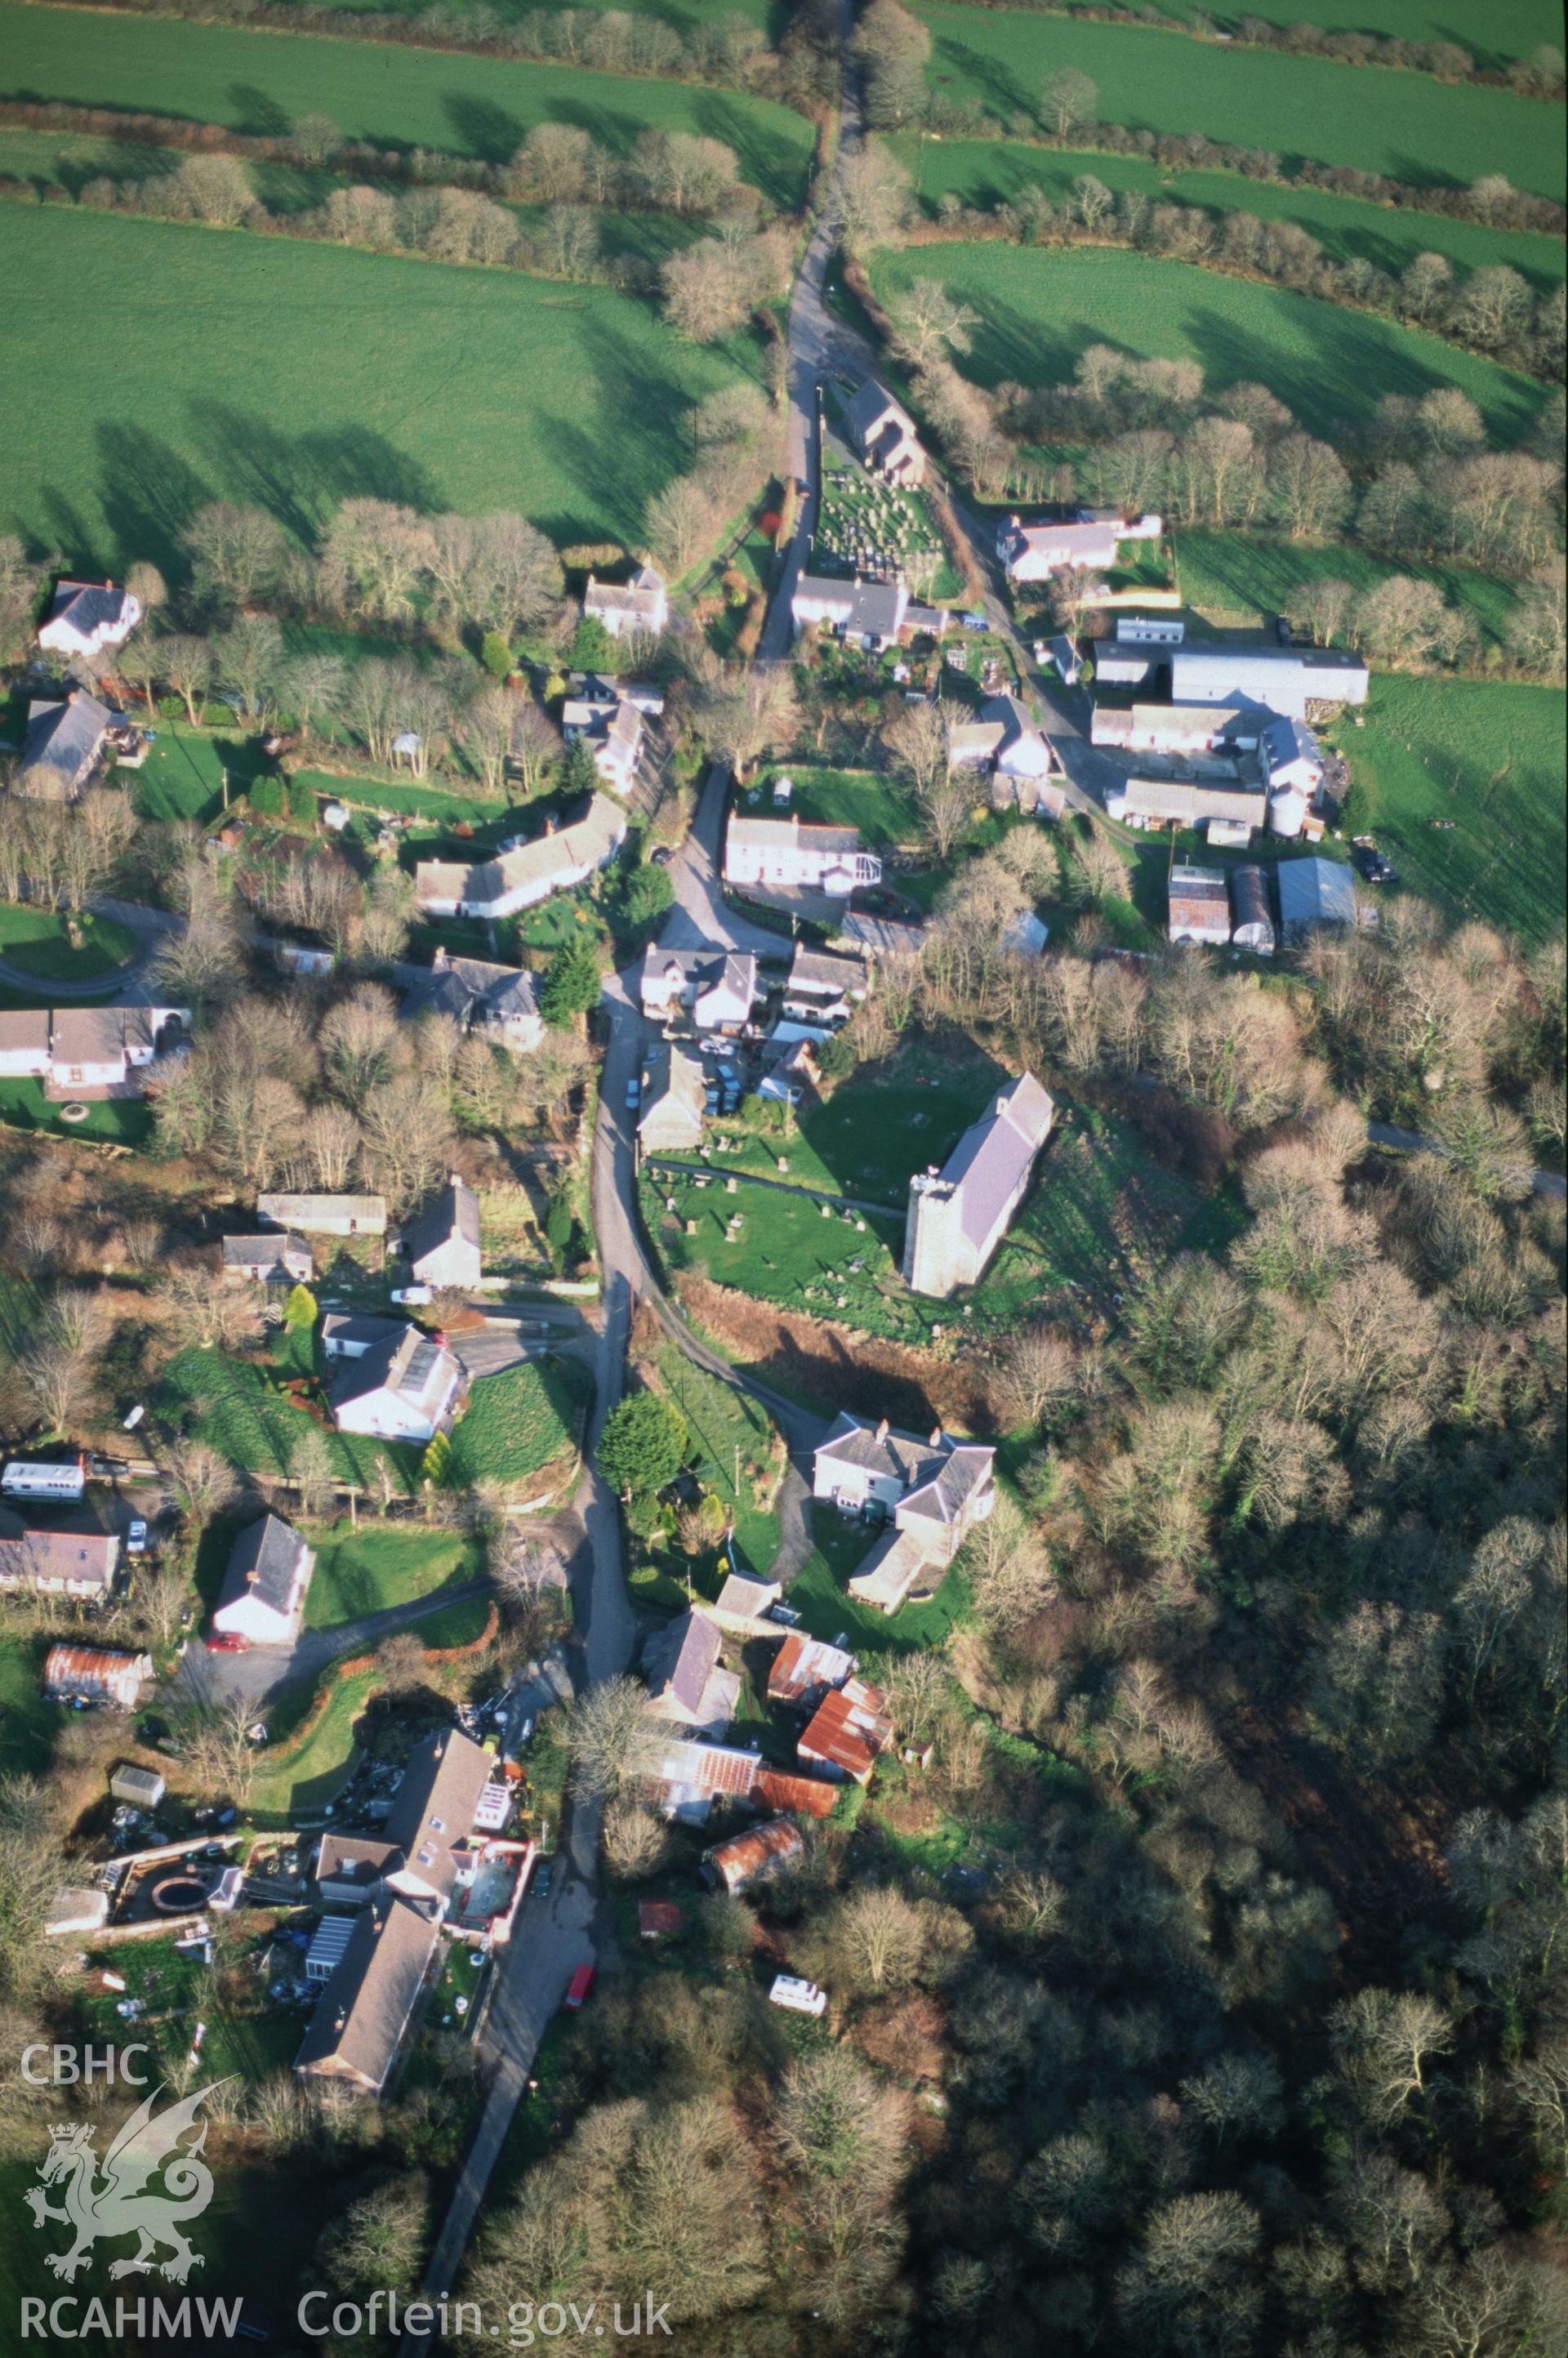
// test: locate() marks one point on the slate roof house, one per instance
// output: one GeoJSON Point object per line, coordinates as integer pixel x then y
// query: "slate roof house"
{"type": "Point", "coordinates": [62, 747]}
{"type": "Point", "coordinates": [822, 986]}
{"type": "Point", "coordinates": [399, 1384]}
{"type": "Point", "coordinates": [87, 617]}
{"type": "Point", "coordinates": [92, 1053]}
{"type": "Point", "coordinates": [61, 1558]}
{"type": "Point", "coordinates": [934, 1489]}
{"type": "Point", "coordinates": [872, 612]}
{"type": "Point", "coordinates": [686, 1683]}
{"type": "Point", "coordinates": [640, 606]}
{"type": "Point", "coordinates": [432, 1815]}
{"type": "Point", "coordinates": [498, 1002]}
{"type": "Point", "coordinates": [441, 1244]}
{"type": "Point", "coordinates": [1034, 552]}
{"type": "Point", "coordinates": [718, 986]}
{"type": "Point", "coordinates": [270, 1260]}
{"type": "Point", "coordinates": [881, 432]}
{"type": "Point", "coordinates": [351, 1868]}
{"type": "Point", "coordinates": [515, 880]}
{"type": "Point", "coordinates": [957, 1216]}
{"type": "Point", "coordinates": [614, 734]}
{"type": "Point", "coordinates": [1003, 736]}
{"type": "Point", "coordinates": [361, 2018]}
{"type": "Point", "coordinates": [674, 1099]}
{"type": "Point", "coordinates": [265, 1581]}
{"type": "Point", "coordinates": [326, 1216]}
{"type": "Point", "coordinates": [784, 853]}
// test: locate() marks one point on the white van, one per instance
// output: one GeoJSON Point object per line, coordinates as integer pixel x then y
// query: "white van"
{"type": "Point", "coordinates": [801, 1998]}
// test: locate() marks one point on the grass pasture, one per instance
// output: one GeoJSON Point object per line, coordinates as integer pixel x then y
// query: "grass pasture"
{"type": "Point", "coordinates": [1492, 35]}
{"type": "Point", "coordinates": [260, 83]}
{"type": "Point", "coordinates": [1330, 366]}
{"type": "Point", "coordinates": [1435, 135]}
{"type": "Point", "coordinates": [1489, 757]}
{"type": "Point", "coordinates": [447, 388]}
{"type": "Point", "coordinates": [984, 173]}
{"type": "Point", "coordinates": [683, 16]}
{"type": "Point", "coordinates": [1237, 580]}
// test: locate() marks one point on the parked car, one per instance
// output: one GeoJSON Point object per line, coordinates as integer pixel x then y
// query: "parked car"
{"type": "Point", "coordinates": [578, 1988]}
{"type": "Point", "coordinates": [633, 1094]}
{"type": "Point", "coordinates": [227, 1641]}
{"type": "Point", "coordinates": [409, 1296]}
{"type": "Point", "coordinates": [135, 1537]}
{"type": "Point", "coordinates": [1282, 630]}
{"type": "Point", "coordinates": [541, 1880]}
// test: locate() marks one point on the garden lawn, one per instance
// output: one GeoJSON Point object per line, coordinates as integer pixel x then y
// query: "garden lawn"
{"type": "Point", "coordinates": [721, 1421]}
{"type": "Point", "coordinates": [1488, 756]}
{"type": "Point", "coordinates": [572, 408]}
{"type": "Point", "coordinates": [247, 2039]}
{"type": "Point", "coordinates": [364, 1571]}
{"type": "Point", "coordinates": [883, 808]}
{"type": "Point", "coordinates": [819, 1593]}
{"type": "Point", "coordinates": [1407, 126]}
{"type": "Point", "coordinates": [1239, 579]}
{"type": "Point", "coordinates": [238, 1408]}
{"type": "Point", "coordinates": [118, 1121]}
{"type": "Point", "coordinates": [518, 1423]}
{"type": "Point", "coordinates": [260, 82]}
{"type": "Point", "coordinates": [299, 1777]}
{"type": "Point", "coordinates": [1330, 366]}
{"type": "Point", "coordinates": [984, 173]}
{"type": "Point", "coordinates": [35, 940]}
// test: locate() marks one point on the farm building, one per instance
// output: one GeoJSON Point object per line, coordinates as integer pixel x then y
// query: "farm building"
{"type": "Point", "coordinates": [636, 608]}
{"type": "Point", "coordinates": [1253, 922]}
{"type": "Point", "coordinates": [957, 1216]}
{"type": "Point", "coordinates": [441, 1243]}
{"type": "Point", "coordinates": [401, 1385]}
{"type": "Point", "coordinates": [1200, 905]}
{"type": "Point", "coordinates": [718, 986]}
{"type": "Point", "coordinates": [934, 1490]}
{"type": "Point", "coordinates": [1289, 680]}
{"type": "Point", "coordinates": [1183, 729]}
{"type": "Point", "coordinates": [805, 1669]}
{"type": "Point", "coordinates": [686, 1683]}
{"type": "Point", "coordinates": [325, 1215]}
{"type": "Point", "coordinates": [96, 1674]}
{"type": "Point", "coordinates": [1312, 892]}
{"type": "Point", "coordinates": [1125, 526]}
{"type": "Point", "coordinates": [54, 1560]}
{"type": "Point", "coordinates": [685, 1779]}
{"type": "Point", "coordinates": [1189, 801]}
{"type": "Point", "coordinates": [871, 936]}
{"type": "Point", "coordinates": [753, 1858]}
{"type": "Point", "coordinates": [87, 618]}
{"type": "Point", "coordinates": [500, 1002]}
{"type": "Point", "coordinates": [275, 1259]}
{"type": "Point", "coordinates": [742, 1606]}
{"type": "Point", "coordinates": [1036, 552]}
{"type": "Point", "coordinates": [674, 1099]}
{"type": "Point", "coordinates": [882, 434]}
{"type": "Point", "coordinates": [142, 1789]}
{"type": "Point", "coordinates": [361, 2018]}
{"type": "Point", "coordinates": [1292, 755]}
{"type": "Point", "coordinates": [1151, 630]}
{"type": "Point", "coordinates": [847, 1730]}
{"type": "Point", "coordinates": [265, 1581]}
{"type": "Point", "coordinates": [786, 854]}
{"type": "Point", "coordinates": [515, 880]}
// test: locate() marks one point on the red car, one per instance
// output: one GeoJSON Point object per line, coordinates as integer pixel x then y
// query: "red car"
{"type": "Point", "coordinates": [578, 1988]}
{"type": "Point", "coordinates": [227, 1641]}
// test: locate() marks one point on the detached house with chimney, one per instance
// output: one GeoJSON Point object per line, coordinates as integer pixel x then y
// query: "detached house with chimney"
{"type": "Point", "coordinates": [1038, 552]}
{"type": "Point", "coordinates": [263, 1595]}
{"type": "Point", "coordinates": [786, 854]}
{"type": "Point", "coordinates": [62, 747]}
{"type": "Point", "coordinates": [932, 1492]}
{"type": "Point", "coordinates": [719, 987]}
{"type": "Point", "coordinates": [441, 1244]}
{"type": "Point", "coordinates": [636, 608]}
{"type": "Point", "coordinates": [391, 1380]}
{"type": "Point", "coordinates": [498, 1003]}
{"type": "Point", "coordinates": [687, 1684]}
{"type": "Point", "coordinates": [89, 619]}
{"type": "Point", "coordinates": [958, 1215]}
{"type": "Point", "coordinates": [516, 879]}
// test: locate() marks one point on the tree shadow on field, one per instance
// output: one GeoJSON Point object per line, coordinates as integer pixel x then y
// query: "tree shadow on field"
{"type": "Point", "coordinates": [300, 479]}
{"type": "Point", "coordinates": [484, 128]}
{"type": "Point", "coordinates": [149, 494]}
{"type": "Point", "coordinates": [257, 113]}
{"type": "Point", "coordinates": [630, 406]}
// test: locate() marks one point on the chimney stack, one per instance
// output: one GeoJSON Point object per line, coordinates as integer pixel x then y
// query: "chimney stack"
{"type": "Point", "coordinates": [936, 1437]}
{"type": "Point", "coordinates": [882, 1430]}
{"type": "Point", "coordinates": [440, 958]}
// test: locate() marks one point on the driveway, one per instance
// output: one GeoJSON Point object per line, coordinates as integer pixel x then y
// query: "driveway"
{"type": "Point", "coordinates": [204, 1678]}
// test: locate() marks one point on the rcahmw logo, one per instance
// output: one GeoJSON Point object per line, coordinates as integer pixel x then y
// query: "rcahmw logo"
{"type": "Point", "coordinates": [149, 2184]}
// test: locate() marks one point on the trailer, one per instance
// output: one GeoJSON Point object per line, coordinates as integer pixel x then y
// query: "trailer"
{"type": "Point", "coordinates": [57, 1478]}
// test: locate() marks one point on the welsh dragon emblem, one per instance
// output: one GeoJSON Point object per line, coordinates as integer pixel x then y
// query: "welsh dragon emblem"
{"type": "Point", "coordinates": [115, 2198]}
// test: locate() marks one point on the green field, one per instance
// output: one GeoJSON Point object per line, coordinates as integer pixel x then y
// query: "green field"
{"type": "Point", "coordinates": [1492, 35]}
{"type": "Point", "coordinates": [1239, 578]}
{"type": "Point", "coordinates": [568, 407]}
{"type": "Point", "coordinates": [984, 173]}
{"type": "Point", "coordinates": [35, 940]}
{"type": "Point", "coordinates": [1489, 757]}
{"type": "Point", "coordinates": [1413, 128]}
{"type": "Point", "coordinates": [683, 16]}
{"type": "Point", "coordinates": [364, 1571]}
{"type": "Point", "coordinates": [518, 1423]}
{"type": "Point", "coordinates": [1329, 365]}
{"type": "Point", "coordinates": [260, 83]}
